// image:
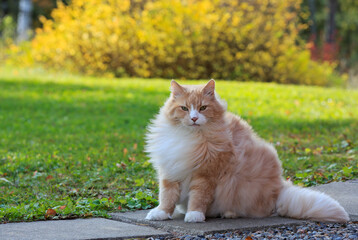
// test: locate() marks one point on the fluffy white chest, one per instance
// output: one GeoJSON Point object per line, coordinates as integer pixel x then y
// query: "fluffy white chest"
{"type": "Point", "coordinates": [170, 149]}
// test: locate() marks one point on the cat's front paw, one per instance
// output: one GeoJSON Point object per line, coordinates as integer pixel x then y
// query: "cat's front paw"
{"type": "Point", "coordinates": [157, 215]}
{"type": "Point", "coordinates": [194, 216]}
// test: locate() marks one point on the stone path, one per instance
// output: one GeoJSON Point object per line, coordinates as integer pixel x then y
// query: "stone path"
{"type": "Point", "coordinates": [94, 228]}
{"type": "Point", "coordinates": [211, 225]}
{"type": "Point", "coordinates": [133, 225]}
{"type": "Point", "coordinates": [346, 193]}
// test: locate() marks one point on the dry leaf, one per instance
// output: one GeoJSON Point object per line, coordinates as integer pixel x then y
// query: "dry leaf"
{"type": "Point", "coordinates": [49, 177]}
{"type": "Point", "coordinates": [119, 208]}
{"type": "Point", "coordinates": [121, 165]}
{"type": "Point", "coordinates": [248, 238]}
{"type": "Point", "coordinates": [135, 146]}
{"type": "Point", "coordinates": [125, 151]}
{"type": "Point", "coordinates": [50, 212]}
{"type": "Point", "coordinates": [63, 207]}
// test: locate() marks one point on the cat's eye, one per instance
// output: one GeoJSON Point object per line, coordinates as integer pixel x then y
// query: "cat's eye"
{"type": "Point", "coordinates": [184, 108]}
{"type": "Point", "coordinates": [202, 108]}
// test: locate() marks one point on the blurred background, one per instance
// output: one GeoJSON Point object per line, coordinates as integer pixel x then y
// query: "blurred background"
{"type": "Point", "coordinates": [312, 42]}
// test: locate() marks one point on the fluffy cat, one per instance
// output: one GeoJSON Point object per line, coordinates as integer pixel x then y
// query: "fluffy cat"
{"type": "Point", "coordinates": [210, 163]}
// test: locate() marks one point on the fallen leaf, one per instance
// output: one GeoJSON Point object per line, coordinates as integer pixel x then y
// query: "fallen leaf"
{"type": "Point", "coordinates": [63, 207]}
{"type": "Point", "coordinates": [125, 151]}
{"type": "Point", "coordinates": [50, 212]}
{"type": "Point", "coordinates": [121, 165]}
{"type": "Point", "coordinates": [248, 238]}
{"type": "Point", "coordinates": [119, 208]}
{"type": "Point", "coordinates": [135, 146]}
{"type": "Point", "coordinates": [49, 177]}
{"type": "Point", "coordinates": [317, 151]}
{"type": "Point", "coordinates": [110, 199]}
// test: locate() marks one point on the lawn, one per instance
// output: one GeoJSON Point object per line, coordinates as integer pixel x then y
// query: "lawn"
{"type": "Point", "coordinates": [72, 146]}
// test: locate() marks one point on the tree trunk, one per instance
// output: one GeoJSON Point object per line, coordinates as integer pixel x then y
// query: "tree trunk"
{"type": "Point", "coordinates": [24, 20]}
{"type": "Point", "coordinates": [312, 7]}
{"type": "Point", "coordinates": [330, 34]}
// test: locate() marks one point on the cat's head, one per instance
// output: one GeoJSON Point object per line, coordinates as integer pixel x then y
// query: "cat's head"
{"type": "Point", "coordinates": [194, 106]}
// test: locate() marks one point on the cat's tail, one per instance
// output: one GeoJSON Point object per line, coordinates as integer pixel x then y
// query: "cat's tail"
{"type": "Point", "coordinates": [302, 203]}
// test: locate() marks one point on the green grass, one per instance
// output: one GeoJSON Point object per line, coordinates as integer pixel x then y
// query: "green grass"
{"type": "Point", "coordinates": [75, 144]}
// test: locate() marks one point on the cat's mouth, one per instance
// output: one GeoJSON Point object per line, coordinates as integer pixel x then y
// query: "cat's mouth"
{"type": "Point", "coordinates": [195, 125]}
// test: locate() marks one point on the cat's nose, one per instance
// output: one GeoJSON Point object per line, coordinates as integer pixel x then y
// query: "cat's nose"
{"type": "Point", "coordinates": [194, 119]}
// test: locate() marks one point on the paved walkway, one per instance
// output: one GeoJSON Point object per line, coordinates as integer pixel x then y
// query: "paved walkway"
{"type": "Point", "coordinates": [94, 228]}
{"type": "Point", "coordinates": [133, 224]}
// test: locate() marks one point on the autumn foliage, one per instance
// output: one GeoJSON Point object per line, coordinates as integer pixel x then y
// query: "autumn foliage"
{"type": "Point", "coordinates": [237, 40]}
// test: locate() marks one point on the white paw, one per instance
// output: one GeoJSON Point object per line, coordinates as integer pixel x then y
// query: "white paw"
{"type": "Point", "coordinates": [157, 215]}
{"type": "Point", "coordinates": [194, 216]}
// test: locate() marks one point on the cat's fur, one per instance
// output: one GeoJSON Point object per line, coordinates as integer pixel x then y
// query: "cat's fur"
{"type": "Point", "coordinates": [217, 166]}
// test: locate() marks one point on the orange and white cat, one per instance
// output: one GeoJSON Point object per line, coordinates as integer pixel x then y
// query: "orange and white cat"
{"type": "Point", "coordinates": [210, 163]}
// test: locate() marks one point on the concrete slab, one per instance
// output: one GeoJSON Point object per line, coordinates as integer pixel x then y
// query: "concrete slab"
{"type": "Point", "coordinates": [95, 228]}
{"type": "Point", "coordinates": [346, 193]}
{"type": "Point", "coordinates": [211, 225]}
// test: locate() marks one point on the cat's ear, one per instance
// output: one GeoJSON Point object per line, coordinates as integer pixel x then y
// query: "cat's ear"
{"type": "Point", "coordinates": [209, 89]}
{"type": "Point", "coordinates": [176, 89]}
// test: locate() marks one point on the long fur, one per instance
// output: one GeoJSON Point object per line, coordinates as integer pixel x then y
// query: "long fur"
{"type": "Point", "coordinates": [303, 203]}
{"type": "Point", "coordinates": [215, 165]}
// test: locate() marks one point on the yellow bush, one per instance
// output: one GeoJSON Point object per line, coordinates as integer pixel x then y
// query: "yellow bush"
{"type": "Point", "coordinates": [237, 40]}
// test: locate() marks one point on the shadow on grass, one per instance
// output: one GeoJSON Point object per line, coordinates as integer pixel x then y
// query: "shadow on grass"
{"type": "Point", "coordinates": [35, 104]}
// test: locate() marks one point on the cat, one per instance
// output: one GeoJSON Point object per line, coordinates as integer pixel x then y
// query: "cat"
{"type": "Point", "coordinates": [210, 163]}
